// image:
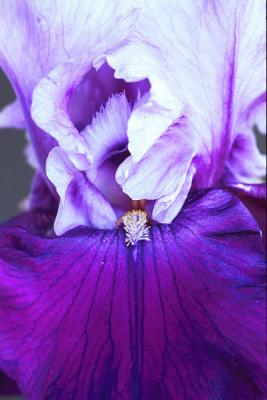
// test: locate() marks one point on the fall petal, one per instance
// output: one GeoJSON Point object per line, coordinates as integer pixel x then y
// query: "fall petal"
{"type": "Point", "coordinates": [181, 316]}
{"type": "Point", "coordinates": [254, 198]}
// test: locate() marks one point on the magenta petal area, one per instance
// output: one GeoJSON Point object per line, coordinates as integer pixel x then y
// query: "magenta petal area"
{"type": "Point", "coordinates": [179, 317]}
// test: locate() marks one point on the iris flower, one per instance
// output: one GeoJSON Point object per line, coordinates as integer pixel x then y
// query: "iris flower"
{"type": "Point", "coordinates": [137, 271]}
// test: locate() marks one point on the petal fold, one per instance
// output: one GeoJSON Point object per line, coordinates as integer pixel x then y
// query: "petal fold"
{"type": "Point", "coordinates": [80, 202]}
{"type": "Point", "coordinates": [51, 46]}
{"type": "Point", "coordinates": [163, 173]}
{"type": "Point", "coordinates": [204, 60]}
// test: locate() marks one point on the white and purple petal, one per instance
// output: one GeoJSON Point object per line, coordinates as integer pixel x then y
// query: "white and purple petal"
{"type": "Point", "coordinates": [164, 173]}
{"type": "Point", "coordinates": [54, 44]}
{"type": "Point", "coordinates": [205, 61]}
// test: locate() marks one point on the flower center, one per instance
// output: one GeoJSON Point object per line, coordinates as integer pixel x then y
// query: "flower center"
{"type": "Point", "coordinates": [135, 225]}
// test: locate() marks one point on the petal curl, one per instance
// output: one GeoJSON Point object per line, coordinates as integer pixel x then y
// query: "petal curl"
{"type": "Point", "coordinates": [181, 316]}
{"type": "Point", "coordinates": [51, 96]}
{"type": "Point", "coordinates": [48, 36]}
{"type": "Point", "coordinates": [204, 60]}
{"type": "Point", "coordinates": [80, 202]}
{"type": "Point", "coordinates": [254, 198]}
{"type": "Point", "coordinates": [107, 134]}
{"type": "Point", "coordinates": [245, 163]}
{"type": "Point", "coordinates": [162, 174]}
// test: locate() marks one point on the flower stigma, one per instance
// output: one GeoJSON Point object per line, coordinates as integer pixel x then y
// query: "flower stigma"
{"type": "Point", "coordinates": [136, 226]}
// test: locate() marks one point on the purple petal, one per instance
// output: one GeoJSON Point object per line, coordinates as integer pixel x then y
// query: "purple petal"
{"type": "Point", "coordinates": [7, 386]}
{"type": "Point", "coordinates": [12, 116]}
{"type": "Point", "coordinates": [179, 317]}
{"type": "Point", "coordinates": [254, 198]}
{"type": "Point", "coordinates": [41, 197]}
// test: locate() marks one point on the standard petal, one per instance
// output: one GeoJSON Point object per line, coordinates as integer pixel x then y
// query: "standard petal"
{"type": "Point", "coordinates": [163, 173]}
{"type": "Point", "coordinates": [83, 205]}
{"type": "Point", "coordinates": [47, 36]}
{"type": "Point", "coordinates": [179, 317]}
{"type": "Point", "coordinates": [245, 162]}
{"type": "Point", "coordinates": [50, 108]}
{"type": "Point", "coordinates": [204, 60]}
{"type": "Point", "coordinates": [107, 135]}
{"type": "Point", "coordinates": [167, 207]}
{"type": "Point", "coordinates": [86, 193]}
{"type": "Point", "coordinates": [80, 202]}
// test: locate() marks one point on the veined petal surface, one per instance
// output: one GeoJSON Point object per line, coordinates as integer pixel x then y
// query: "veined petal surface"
{"type": "Point", "coordinates": [205, 60]}
{"type": "Point", "coordinates": [61, 41]}
{"type": "Point", "coordinates": [180, 317]}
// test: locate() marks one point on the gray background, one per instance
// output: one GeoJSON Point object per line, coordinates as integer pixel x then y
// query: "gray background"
{"type": "Point", "coordinates": [15, 175]}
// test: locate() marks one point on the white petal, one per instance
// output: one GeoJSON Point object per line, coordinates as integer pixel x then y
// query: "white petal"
{"type": "Point", "coordinates": [205, 60]}
{"type": "Point", "coordinates": [108, 132]}
{"type": "Point", "coordinates": [162, 173]}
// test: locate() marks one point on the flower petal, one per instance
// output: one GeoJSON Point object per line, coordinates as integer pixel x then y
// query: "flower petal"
{"type": "Point", "coordinates": [52, 95]}
{"type": "Point", "coordinates": [87, 197]}
{"type": "Point", "coordinates": [204, 60]}
{"type": "Point", "coordinates": [254, 198]}
{"type": "Point", "coordinates": [80, 202]}
{"type": "Point", "coordinates": [181, 316]}
{"type": "Point", "coordinates": [45, 37]}
{"type": "Point", "coordinates": [12, 116]}
{"type": "Point", "coordinates": [108, 132]}
{"type": "Point", "coordinates": [161, 173]}
{"type": "Point", "coordinates": [84, 205]}
{"type": "Point", "coordinates": [245, 162]}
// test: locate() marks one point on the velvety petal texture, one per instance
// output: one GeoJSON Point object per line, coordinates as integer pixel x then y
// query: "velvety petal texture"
{"type": "Point", "coordinates": [205, 60]}
{"type": "Point", "coordinates": [254, 198]}
{"type": "Point", "coordinates": [179, 317]}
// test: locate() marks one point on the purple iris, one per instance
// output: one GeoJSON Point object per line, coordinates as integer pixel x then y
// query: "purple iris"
{"type": "Point", "coordinates": [137, 271]}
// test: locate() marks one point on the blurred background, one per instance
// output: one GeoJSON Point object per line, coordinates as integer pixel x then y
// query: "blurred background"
{"type": "Point", "coordinates": [15, 177]}
{"type": "Point", "coordinates": [15, 174]}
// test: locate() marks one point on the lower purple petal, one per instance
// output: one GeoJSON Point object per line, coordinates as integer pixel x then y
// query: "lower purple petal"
{"type": "Point", "coordinates": [180, 317]}
{"type": "Point", "coordinates": [254, 198]}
